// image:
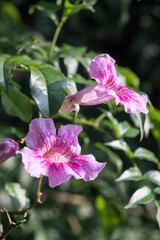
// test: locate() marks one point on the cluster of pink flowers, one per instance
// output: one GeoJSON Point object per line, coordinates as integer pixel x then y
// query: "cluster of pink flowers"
{"type": "Point", "coordinates": [58, 157]}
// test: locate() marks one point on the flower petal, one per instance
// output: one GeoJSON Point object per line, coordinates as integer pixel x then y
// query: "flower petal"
{"type": "Point", "coordinates": [69, 133]}
{"type": "Point", "coordinates": [86, 167]}
{"type": "Point", "coordinates": [59, 173]}
{"type": "Point", "coordinates": [8, 148]}
{"type": "Point", "coordinates": [132, 101]}
{"type": "Point", "coordinates": [68, 105]}
{"type": "Point", "coordinates": [92, 95]}
{"type": "Point", "coordinates": [102, 69]}
{"type": "Point", "coordinates": [40, 132]}
{"type": "Point", "coordinates": [34, 164]}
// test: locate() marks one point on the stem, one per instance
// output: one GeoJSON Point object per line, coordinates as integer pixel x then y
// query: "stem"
{"type": "Point", "coordinates": [38, 199]}
{"type": "Point", "coordinates": [59, 27]}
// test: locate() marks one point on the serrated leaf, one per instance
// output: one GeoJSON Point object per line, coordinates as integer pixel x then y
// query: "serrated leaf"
{"type": "Point", "coordinates": [132, 173]}
{"type": "Point", "coordinates": [5, 68]}
{"type": "Point", "coordinates": [18, 196]}
{"type": "Point", "coordinates": [16, 104]}
{"type": "Point", "coordinates": [145, 154]}
{"type": "Point", "coordinates": [141, 196]}
{"type": "Point", "coordinates": [48, 88]}
{"type": "Point", "coordinates": [153, 176]}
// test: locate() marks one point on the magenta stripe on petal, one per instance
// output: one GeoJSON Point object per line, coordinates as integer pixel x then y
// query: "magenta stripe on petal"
{"type": "Point", "coordinates": [59, 173]}
{"type": "Point", "coordinates": [86, 167]}
{"type": "Point", "coordinates": [8, 148]}
{"type": "Point", "coordinates": [102, 69]}
{"type": "Point", "coordinates": [34, 164]}
{"type": "Point", "coordinates": [132, 101]}
{"type": "Point", "coordinates": [40, 131]}
{"type": "Point", "coordinates": [69, 133]}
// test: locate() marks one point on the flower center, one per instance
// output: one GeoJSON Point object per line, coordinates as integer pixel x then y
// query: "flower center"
{"type": "Point", "coordinates": [55, 157]}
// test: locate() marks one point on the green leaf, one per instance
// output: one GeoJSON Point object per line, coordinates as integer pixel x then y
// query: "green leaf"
{"type": "Point", "coordinates": [158, 212]}
{"type": "Point", "coordinates": [24, 61]}
{"type": "Point", "coordinates": [70, 8]}
{"type": "Point", "coordinates": [154, 115]}
{"type": "Point", "coordinates": [120, 145]}
{"type": "Point", "coordinates": [145, 154]}
{"type": "Point", "coordinates": [49, 9]}
{"type": "Point", "coordinates": [16, 104]}
{"type": "Point", "coordinates": [156, 190]}
{"type": "Point", "coordinates": [5, 68]}
{"type": "Point", "coordinates": [132, 173]}
{"type": "Point", "coordinates": [126, 130]}
{"type": "Point", "coordinates": [130, 77]}
{"type": "Point", "coordinates": [109, 215]}
{"type": "Point", "coordinates": [48, 88]}
{"type": "Point", "coordinates": [153, 176]}
{"type": "Point", "coordinates": [113, 157]}
{"type": "Point", "coordinates": [71, 86]}
{"type": "Point", "coordinates": [77, 53]}
{"type": "Point", "coordinates": [141, 196]}
{"type": "Point", "coordinates": [81, 80]}
{"type": "Point", "coordinates": [137, 119]}
{"type": "Point", "coordinates": [18, 196]}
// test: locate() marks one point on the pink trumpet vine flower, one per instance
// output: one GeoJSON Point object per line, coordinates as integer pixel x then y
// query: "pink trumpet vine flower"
{"type": "Point", "coordinates": [102, 69]}
{"type": "Point", "coordinates": [57, 156]}
{"type": "Point", "coordinates": [8, 148]}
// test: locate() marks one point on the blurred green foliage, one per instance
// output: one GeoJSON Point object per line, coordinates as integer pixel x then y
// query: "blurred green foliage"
{"type": "Point", "coordinates": [127, 30]}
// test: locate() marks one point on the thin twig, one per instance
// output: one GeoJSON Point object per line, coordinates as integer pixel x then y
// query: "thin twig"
{"type": "Point", "coordinates": [23, 212]}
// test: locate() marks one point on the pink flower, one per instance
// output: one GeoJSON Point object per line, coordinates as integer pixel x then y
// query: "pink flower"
{"type": "Point", "coordinates": [102, 69]}
{"type": "Point", "coordinates": [8, 148]}
{"type": "Point", "coordinates": [57, 157]}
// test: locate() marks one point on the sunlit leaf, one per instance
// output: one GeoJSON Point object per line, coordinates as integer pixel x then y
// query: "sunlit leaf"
{"type": "Point", "coordinates": [16, 104]}
{"type": "Point", "coordinates": [127, 130]}
{"type": "Point", "coordinates": [145, 154]}
{"type": "Point", "coordinates": [24, 60]}
{"type": "Point", "coordinates": [132, 173]}
{"type": "Point", "coordinates": [48, 88]}
{"type": "Point", "coordinates": [70, 8]}
{"type": "Point", "coordinates": [71, 65]}
{"type": "Point", "coordinates": [141, 196]}
{"type": "Point", "coordinates": [18, 196]}
{"type": "Point", "coordinates": [120, 145]}
{"type": "Point", "coordinates": [139, 120]}
{"type": "Point", "coordinates": [153, 176]}
{"type": "Point", "coordinates": [71, 86]}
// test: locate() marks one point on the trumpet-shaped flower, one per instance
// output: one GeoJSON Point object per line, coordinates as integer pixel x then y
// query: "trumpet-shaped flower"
{"type": "Point", "coordinates": [8, 148]}
{"type": "Point", "coordinates": [57, 156]}
{"type": "Point", "coordinates": [102, 69]}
